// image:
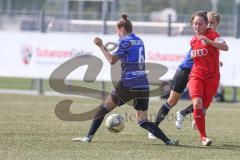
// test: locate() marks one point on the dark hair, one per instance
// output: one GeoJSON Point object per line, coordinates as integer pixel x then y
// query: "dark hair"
{"type": "Point", "coordinates": [125, 23]}
{"type": "Point", "coordinates": [202, 14]}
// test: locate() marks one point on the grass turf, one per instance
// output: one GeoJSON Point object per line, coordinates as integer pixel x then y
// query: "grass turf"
{"type": "Point", "coordinates": [29, 84]}
{"type": "Point", "coordinates": [29, 129]}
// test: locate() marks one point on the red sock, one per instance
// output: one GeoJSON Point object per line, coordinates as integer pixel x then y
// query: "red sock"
{"type": "Point", "coordinates": [200, 121]}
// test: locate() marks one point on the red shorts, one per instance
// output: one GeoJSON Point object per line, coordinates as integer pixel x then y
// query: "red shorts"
{"type": "Point", "coordinates": [206, 89]}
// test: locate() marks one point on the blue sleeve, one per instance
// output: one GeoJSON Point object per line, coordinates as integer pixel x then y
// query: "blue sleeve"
{"type": "Point", "coordinates": [189, 54]}
{"type": "Point", "coordinates": [123, 48]}
{"type": "Point", "coordinates": [188, 61]}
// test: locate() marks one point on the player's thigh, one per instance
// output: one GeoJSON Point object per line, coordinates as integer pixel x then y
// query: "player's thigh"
{"type": "Point", "coordinates": [196, 87]}
{"type": "Point", "coordinates": [197, 102]}
{"type": "Point", "coordinates": [180, 80]}
{"type": "Point", "coordinates": [109, 104]}
{"type": "Point", "coordinates": [141, 103]}
{"type": "Point", "coordinates": [211, 87]}
{"type": "Point", "coordinates": [120, 95]}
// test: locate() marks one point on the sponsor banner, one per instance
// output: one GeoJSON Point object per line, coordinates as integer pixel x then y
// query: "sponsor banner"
{"type": "Point", "coordinates": [36, 55]}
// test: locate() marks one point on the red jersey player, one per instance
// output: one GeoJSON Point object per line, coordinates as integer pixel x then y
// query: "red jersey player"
{"type": "Point", "coordinates": [205, 76]}
{"type": "Point", "coordinates": [213, 23]}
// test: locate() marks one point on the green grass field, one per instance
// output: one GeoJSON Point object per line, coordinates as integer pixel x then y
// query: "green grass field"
{"type": "Point", "coordinates": [30, 130]}
{"type": "Point", "coordinates": [28, 84]}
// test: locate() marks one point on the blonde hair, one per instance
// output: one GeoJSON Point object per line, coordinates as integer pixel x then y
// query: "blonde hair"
{"type": "Point", "coordinates": [214, 15]}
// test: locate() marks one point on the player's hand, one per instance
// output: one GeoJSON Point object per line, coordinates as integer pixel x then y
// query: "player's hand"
{"type": "Point", "coordinates": [203, 39]}
{"type": "Point", "coordinates": [98, 41]}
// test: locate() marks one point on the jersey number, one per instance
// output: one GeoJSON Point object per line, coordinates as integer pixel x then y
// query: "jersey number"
{"type": "Point", "coordinates": [141, 59]}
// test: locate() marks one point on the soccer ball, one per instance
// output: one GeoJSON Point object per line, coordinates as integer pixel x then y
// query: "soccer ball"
{"type": "Point", "coordinates": [115, 123]}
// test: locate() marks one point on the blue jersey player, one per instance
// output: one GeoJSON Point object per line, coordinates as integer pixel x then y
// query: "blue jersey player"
{"type": "Point", "coordinates": [179, 83]}
{"type": "Point", "coordinates": [133, 84]}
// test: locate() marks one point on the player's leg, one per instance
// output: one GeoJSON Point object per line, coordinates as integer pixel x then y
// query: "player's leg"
{"type": "Point", "coordinates": [165, 108]}
{"type": "Point", "coordinates": [210, 88]}
{"type": "Point", "coordinates": [193, 125]}
{"type": "Point", "coordinates": [141, 105]}
{"type": "Point", "coordinates": [199, 119]}
{"type": "Point", "coordinates": [181, 114]}
{"type": "Point", "coordinates": [180, 80]}
{"type": "Point", "coordinates": [107, 106]}
{"type": "Point", "coordinates": [199, 116]}
{"type": "Point", "coordinates": [196, 90]}
{"type": "Point", "coordinates": [117, 98]}
{"type": "Point", "coordinates": [187, 110]}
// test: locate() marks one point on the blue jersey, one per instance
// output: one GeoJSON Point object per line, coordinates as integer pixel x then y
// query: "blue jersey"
{"type": "Point", "coordinates": [131, 53]}
{"type": "Point", "coordinates": [187, 63]}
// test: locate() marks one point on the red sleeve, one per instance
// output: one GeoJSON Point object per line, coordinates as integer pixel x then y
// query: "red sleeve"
{"type": "Point", "coordinates": [212, 35]}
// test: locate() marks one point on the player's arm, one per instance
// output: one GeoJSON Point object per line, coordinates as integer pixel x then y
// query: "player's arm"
{"type": "Point", "coordinates": [218, 43]}
{"type": "Point", "coordinates": [112, 59]}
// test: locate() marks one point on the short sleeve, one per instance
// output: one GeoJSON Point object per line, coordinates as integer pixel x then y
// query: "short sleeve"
{"type": "Point", "coordinates": [123, 47]}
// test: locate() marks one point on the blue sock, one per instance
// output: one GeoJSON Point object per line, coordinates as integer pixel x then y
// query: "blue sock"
{"type": "Point", "coordinates": [162, 113]}
{"type": "Point", "coordinates": [187, 110]}
{"type": "Point", "coordinates": [151, 127]}
{"type": "Point", "coordinates": [97, 120]}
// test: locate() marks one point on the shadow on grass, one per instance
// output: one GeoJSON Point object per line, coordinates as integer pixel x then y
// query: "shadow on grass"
{"type": "Point", "coordinates": [222, 147]}
{"type": "Point", "coordinates": [231, 146]}
{"type": "Point", "coordinates": [137, 143]}
{"type": "Point", "coordinates": [159, 143]}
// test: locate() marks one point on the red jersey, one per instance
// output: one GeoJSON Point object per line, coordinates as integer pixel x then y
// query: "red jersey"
{"type": "Point", "coordinates": [205, 56]}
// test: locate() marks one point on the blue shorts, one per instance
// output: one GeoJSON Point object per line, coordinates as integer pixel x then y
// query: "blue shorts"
{"type": "Point", "coordinates": [140, 96]}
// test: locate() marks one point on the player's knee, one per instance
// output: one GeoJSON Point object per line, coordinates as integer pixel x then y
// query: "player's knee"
{"type": "Point", "coordinates": [173, 98]}
{"type": "Point", "coordinates": [141, 116]}
{"type": "Point", "coordinates": [197, 104]}
{"type": "Point", "coordinates": [172, 102]}
{"type": "Point", "coordinates": [109, 105]}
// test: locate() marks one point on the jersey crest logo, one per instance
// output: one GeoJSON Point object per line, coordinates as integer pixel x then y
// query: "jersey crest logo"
{"type": "Point", "coordinates": [199, 53]}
